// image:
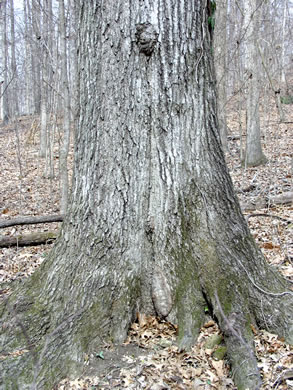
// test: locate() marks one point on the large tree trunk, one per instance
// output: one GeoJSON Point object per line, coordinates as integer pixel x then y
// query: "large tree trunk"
{"type": "Point", "coordinates": [153, 224]}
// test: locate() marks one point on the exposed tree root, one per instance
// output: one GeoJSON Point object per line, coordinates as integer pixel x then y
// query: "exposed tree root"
{"type": "Point", "coordinates": [50, 324]}
{"type": "Point", "coordinates": [39, 353]}
{"type": "Point", "coordinates": [240, 349]}
{"type": "Point", "coordinates": [245, 372]}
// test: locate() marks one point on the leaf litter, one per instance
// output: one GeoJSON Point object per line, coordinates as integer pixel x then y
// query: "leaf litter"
{"type": "Point", "coordinates": [149, 358]}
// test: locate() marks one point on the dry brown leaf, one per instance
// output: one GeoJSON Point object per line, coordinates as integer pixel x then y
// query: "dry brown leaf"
{"type": "Point", "coordinates": [219, 367]}
{"type": "Point", "coordinates": [209, 324]}
{"type": "Point", "coordinates": [269, 245]}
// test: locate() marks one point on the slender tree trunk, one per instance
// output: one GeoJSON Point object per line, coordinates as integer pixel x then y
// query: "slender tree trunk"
{"type": "Point", "coordinates": [1, 94]}
{"type": "Point", "coordinates": [74, 11]}
{"type": "Point", "coordinates": [4, 53]}
{"type": "Point", "coordinates": [36, 52]}
{"type": "Point", "coordinates": [283, 44]}
{"type": "Point", "coordinates": [44, 120]}
{"type": "Point", "coordinates": [14, 78]}
{"type": "Point", "coordinates": [220, 55]}
{"type": "Point", "coordinates": [44, 43]}
{"type": "Point", "coordinates": [28, 105]}
{"type": "Point", "coordinates": [253, 154]}
{"type": "Point", "coordinates": [274, 89]}
{"type": "Point", "coordinates": [153, 224]}
{"type": "Point", "coordinates": [66, 110]}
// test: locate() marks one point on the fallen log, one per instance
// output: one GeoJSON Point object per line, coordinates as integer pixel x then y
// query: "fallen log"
{"type": "Point", "coordinates": [284, 198]}
{"type": "Point", "coordinates": [250, 188]}
{"type": "Point", "coordinates": [253, 205]}
{"type": "Point", "coordinates": [288, 221]}
{"type": "Point", "coordinates": [270, 201]}
{"type": "Point", "coordinates": [31, 220]}
{"type": "Point", "coordinates": [28, 239]}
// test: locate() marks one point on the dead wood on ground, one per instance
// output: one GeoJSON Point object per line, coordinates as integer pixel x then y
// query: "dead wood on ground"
{"type": "Point", "coordinates": [31, 220]}
{"type": "Point", "coordinates": [28, 239]}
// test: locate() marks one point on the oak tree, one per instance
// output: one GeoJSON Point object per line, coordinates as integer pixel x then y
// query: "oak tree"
{"type": "Point", "coordinates": [153, 224]}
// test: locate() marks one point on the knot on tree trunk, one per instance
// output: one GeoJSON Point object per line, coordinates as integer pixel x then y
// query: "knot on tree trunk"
{"type": "Point", "coordinates": [146, 38]}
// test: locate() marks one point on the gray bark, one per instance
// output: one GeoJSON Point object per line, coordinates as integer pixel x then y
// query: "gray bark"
{"type": "Point", "coordinates": [274, 88]}
{"type": "Point", "coordinates": [28, 106]}
{"type": "Point", "coordinates": [66, 111]}
{"type": "Point", "coordinates": [220, 54]}
{"type": "Point", "coordinates": [153, 224]}
{"type": "Point", "coordinates": [36, 52]}
{"type": "Point", "coordinates": [253, 154]}
{"type": "Point", "coordinates": [45, 52]}
{"type": "Point", "coordinates": [14, 86]}
{"type": "Point", "coordinates": [4, 71]}
{"type": "Point", "coordinates": [283, 42]}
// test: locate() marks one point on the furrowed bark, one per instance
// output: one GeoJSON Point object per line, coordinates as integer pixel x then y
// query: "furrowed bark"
{"type": "Point", "coordinates": [153, 223]}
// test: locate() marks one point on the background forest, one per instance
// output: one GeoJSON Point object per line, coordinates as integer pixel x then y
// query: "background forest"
{"type": "Point", "coordinates": [39, 112]}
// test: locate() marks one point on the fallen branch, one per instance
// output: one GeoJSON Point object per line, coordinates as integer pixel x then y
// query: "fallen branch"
{"type": "Point", "coordinates": [28, 239]}
{"type": "Point", "coordinates": [284, 198]}
{"type": "Point", "coordinates": [287, 374]}
{"type": "Point", "coordinates": [31, 220]}
{"type": "Point", "coordinates": [249, 206]}
{"type": "Point", "coordinates": [250, 188]}
{"type": "Point", "coordinates": [269, 215]}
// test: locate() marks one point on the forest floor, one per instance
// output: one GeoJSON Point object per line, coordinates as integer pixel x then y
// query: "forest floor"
{"type": "Point", "coordinates": [149, 359]}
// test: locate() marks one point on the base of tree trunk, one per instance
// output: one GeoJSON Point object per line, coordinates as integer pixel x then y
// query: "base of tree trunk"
{"type": "Point", "coordinates": [254, 162]}
{"type": "Point", "coordinates": [48, 331]}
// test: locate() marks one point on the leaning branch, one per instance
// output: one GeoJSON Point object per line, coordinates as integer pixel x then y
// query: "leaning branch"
{"type": "Point", "coordinates": [31, 220]}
